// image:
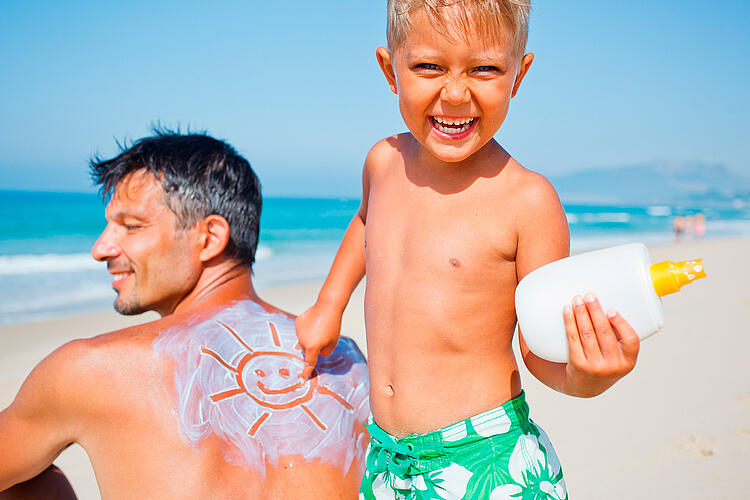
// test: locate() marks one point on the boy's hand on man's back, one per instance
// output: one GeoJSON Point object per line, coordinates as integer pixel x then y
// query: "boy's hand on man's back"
{"type": "Point", "coordinates": [603, 348]}
{"type": "Point", "coordinates": [318, 331]}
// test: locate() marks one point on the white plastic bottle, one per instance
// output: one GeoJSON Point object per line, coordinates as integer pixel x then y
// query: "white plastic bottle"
{"type": "Point", "coordinates": [622, 278]}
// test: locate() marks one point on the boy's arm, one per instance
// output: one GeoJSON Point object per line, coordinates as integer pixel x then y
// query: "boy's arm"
{"type": "Point", "coordinates": [38, 425]}
{"type": "Point", "coordinates": [319, 327]}
{"type": "Point", "coordinates": [603, 347]}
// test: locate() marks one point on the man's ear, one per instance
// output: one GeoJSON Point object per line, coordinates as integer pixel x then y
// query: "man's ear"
{"type": "Point", "coordinates": [523, 68]}
{"type": "Point", "coordinates": [214, 230]}
{"type": "Point", "coordinates": [386, 64]}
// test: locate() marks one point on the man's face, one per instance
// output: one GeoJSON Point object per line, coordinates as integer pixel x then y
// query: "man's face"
{"type": "Point", "coordinates": [454, 93]}
{"type": "Point", "coordinates": [154, 264]}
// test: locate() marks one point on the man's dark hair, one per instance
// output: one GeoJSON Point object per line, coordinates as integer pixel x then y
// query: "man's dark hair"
{"type": "Point", "coordinates": [201, 176]}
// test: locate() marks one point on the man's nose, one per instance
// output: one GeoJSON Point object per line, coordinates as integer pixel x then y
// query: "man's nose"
{"type": "Point", "coordinates": [105, 247]}
{"type": "Point", "coordinates": [455, 91]}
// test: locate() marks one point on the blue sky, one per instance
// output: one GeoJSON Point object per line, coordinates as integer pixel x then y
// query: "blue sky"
{"type": "Point", "coordinates": [295, 86]}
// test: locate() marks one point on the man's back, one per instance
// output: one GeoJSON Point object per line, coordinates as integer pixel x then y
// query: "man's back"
{"type": "Point", "coordinates": [204, 406]}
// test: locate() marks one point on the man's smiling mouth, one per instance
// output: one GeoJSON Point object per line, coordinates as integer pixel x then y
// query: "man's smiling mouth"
{"type": "Point", "coordinates": [119, 277]}
{"type": "Point", "coordinates": [452, 126]}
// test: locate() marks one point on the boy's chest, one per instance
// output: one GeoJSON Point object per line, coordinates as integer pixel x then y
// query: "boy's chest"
{"type": "Point", "coordinates": [467, 232]}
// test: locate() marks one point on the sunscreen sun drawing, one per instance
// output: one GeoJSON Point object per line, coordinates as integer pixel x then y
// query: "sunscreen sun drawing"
{"type": "Point", "coordinates": [236, 387]}
{"type": "Point", "coordinates": [270, 378]}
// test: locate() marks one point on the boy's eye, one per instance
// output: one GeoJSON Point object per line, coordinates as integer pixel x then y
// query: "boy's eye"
{"type": "Point", "coordinates": [428, 66]}
{"type": "Point", "coordinates": [132, 227]}
{"type": "Point", "coordinates": [486, 69]}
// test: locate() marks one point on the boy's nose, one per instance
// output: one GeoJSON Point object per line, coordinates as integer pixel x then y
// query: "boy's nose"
{"type": "Point", "coordinates": [455, 92]}
{"type": "Point", "coordinates": [105, 247]}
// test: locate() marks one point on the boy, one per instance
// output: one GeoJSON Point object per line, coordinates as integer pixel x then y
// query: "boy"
{"type": "Point", "coordinates": [449, 223]}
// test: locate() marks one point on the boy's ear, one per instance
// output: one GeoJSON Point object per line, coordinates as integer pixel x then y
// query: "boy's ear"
{"type": "Point", "coordinates": [386, 64]}
{"type": "Point", "coordinates": [523, 68]}
{"type": "Point", "coordinates": [214, 232]}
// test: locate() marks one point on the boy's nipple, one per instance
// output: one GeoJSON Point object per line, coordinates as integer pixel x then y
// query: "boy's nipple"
{"type": "Point", "coordinates": [455, 262]}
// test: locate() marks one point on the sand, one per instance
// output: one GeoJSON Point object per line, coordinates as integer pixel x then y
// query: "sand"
{"type": "Point", "coordinates": [678, 426]}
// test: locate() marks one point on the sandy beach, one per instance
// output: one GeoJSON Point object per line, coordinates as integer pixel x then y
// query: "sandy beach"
{"type": "Point", "coordinates": [677, 427]}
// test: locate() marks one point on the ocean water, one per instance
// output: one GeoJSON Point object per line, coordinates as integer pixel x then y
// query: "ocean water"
{"type": "Point", "coordinates": [46, 269]}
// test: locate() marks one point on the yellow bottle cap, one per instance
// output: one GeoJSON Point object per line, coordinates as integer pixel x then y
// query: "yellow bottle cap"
{"type": "Point", "coordinates": [668, 277]}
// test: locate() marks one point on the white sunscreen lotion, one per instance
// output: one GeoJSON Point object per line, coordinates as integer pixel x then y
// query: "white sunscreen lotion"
{"type": "Point", "coordinates": [622, 277]}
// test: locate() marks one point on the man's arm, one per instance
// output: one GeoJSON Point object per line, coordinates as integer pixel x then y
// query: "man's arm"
{"type": "Point", "coordinates": [319, 327]}
{"type": "Point", "coordinates": [603, 347]}
{"type": "Point", "coordinates": [37, 426]}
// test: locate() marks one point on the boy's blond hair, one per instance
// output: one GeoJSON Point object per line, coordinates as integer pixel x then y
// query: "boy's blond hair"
{"type": "Point", "coordinates": [487, 18]}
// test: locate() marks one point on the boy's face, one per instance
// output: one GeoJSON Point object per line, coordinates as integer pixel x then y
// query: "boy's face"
{"type": "Point", "coordinates": [453, 93]}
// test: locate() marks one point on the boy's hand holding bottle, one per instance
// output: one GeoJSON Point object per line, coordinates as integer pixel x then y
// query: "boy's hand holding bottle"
{"type": "Point", "coordinates": [603, 348]}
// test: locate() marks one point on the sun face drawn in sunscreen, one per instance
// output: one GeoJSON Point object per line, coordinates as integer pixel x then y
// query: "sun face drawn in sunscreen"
{"type": "Point", "coordinates": [236, 377]}
{"type": "Point", "coordinates": [622, 277]}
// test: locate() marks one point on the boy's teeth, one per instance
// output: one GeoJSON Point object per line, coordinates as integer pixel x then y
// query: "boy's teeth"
{"type": "Point", "coordinates": [451, 121]}
{"type": "Point", "coordinates": [452, 126]}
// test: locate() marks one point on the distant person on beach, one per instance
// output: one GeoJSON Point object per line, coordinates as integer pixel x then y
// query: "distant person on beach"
{"type": "Point", "coordinates": [448, 225]}
{"type": "Point", "coordinates": [688, 224]}
{"type": "Point", "coordinates": [699, 225]}
{"type": "Point", "coordinates": [206, 402]}
{"type": "Point", "coordinates": [678, 227]}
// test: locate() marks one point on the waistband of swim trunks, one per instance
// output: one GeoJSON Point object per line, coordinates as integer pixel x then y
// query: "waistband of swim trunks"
{"type": "Point", "coordinates": [512, 413]}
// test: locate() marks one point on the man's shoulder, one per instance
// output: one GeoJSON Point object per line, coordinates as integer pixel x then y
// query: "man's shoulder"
{"type": "Point", "coordinates": [68, 382]}
{"type": "Point", "coordinates": [88, 358]}
{"type": "Point", "coordinates": [118, 342]}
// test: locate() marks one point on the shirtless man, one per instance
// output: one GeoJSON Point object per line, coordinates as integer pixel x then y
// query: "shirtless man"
{"type": "Point", "coordinates": [206, 402]}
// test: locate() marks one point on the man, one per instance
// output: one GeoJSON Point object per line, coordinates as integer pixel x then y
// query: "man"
{"type": "Point", "coordinates": [206, 402]}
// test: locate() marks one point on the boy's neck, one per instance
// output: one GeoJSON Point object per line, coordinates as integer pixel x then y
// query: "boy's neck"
{"type": "Point", "coordinates": [424, 169]}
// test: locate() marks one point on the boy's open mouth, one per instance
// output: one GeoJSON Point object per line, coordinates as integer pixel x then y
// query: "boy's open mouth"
{"type": "Point", "coordinates": [454, 127]}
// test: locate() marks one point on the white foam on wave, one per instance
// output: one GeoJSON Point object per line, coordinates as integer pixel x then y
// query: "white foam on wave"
{"type": "Point", "coordinates": [659, 211]}
{"type": "Point", "coordinates": [47, 263]}
{"type": "Point", "coordinates": [611, 217]}
{"type": "Point", "coordinates": [586, 243]}
{"type": "Point", "coordinates": [84, 293]}
{"type": "Point", "coordinates": [65, 263]}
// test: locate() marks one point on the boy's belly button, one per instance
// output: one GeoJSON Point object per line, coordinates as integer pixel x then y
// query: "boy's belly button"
{"type": "Point", "coordinates": [388, 390]}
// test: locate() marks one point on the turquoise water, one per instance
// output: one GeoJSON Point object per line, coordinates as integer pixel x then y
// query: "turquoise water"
{"type": "Point", "coordinates": [45, 239]}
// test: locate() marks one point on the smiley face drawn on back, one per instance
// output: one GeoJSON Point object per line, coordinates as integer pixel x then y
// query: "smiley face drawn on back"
{"type": "Point", "coordinates": [271, 379]}
{"type": "Point", "coordinates": [237, 377]}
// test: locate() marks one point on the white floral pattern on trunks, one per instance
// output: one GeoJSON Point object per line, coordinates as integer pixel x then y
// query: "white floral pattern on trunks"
{"type": "Point", "coordinates": [492, 423]}
{"type": "Point", "coordinates": [381, 487]}
{"type": "Point", "coordinates": [455, 477]}
{"type": "Point", "coordinates": [429, 485]}
{"type": "Point", "coordinates": [534, 467]}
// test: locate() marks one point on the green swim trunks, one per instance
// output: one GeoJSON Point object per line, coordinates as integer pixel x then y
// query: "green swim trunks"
{"type": "Point", "coordinates": [498, 454]}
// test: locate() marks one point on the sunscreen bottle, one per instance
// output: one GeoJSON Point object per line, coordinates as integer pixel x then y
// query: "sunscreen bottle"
{"type": "Point", "coordinates": [622, 277]}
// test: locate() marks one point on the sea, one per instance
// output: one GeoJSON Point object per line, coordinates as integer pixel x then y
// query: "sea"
{"type": "Point", "coordinates": [46, 269]}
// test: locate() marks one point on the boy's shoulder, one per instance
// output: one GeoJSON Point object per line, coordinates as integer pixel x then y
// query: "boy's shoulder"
{"type": "Point", "coordinates": [529, 186]}
{"type": "Point", "coordinates": [388, 150]}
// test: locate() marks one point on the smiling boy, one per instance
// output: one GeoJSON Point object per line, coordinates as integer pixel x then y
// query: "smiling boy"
{"type": "Point", "coordinates": [448, 225]}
